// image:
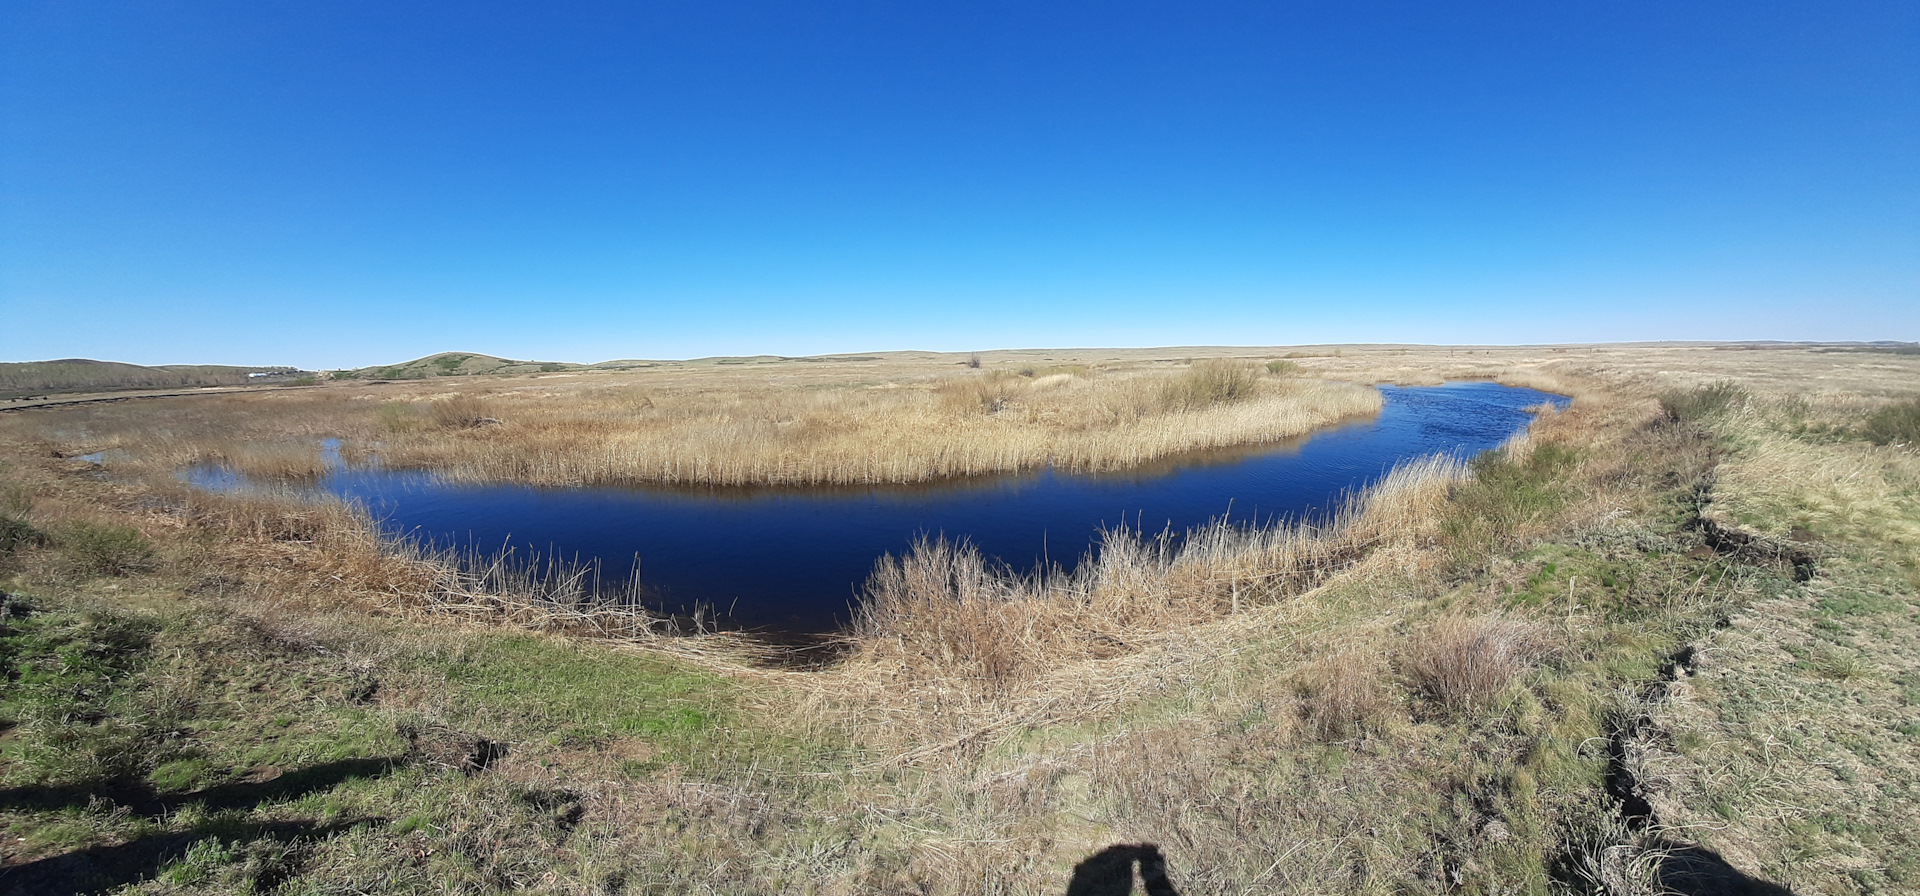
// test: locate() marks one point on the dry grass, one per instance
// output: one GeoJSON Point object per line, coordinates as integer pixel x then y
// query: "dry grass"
{"type": "Point", "coordinates": [1463, 663]}
{"type": "Point", "coordinates": [827, 424]}
{"type": "Point", "coordinates": [1344, 693]}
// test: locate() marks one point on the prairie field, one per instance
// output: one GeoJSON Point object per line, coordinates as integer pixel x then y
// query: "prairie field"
{"type": "Point", "coordinates": [1663, 642]}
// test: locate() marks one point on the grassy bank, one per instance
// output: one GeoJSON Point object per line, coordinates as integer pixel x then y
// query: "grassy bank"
{"type": "Point", "coordinates": [1660, 645]}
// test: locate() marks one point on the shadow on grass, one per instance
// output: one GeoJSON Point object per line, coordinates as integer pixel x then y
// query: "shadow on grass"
{"type": "Point", "coordinates": [1109, 872]}
{"type": "Point", "coordinates": [99, 869]}
{"type": "Point", "coordinates": [1698, 871]}
{"type": "Point", "coordinates": [140, 797]}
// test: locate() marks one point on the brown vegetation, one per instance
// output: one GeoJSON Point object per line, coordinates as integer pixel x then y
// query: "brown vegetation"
{"type": "Point", "coordinates": [833, 424]}
{"type": "Point", "coordinates": [1463, 663]}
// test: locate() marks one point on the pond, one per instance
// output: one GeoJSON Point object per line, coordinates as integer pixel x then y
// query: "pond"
{"type": "Point", "coordinates": [792, 559]}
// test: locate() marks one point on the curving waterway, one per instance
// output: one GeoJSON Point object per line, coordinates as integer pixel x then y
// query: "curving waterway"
{"type": "Point", "coordinates": [793, 558]}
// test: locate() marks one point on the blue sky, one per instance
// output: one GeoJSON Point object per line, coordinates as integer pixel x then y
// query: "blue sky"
{"type": "Point", "coordinates": [337, 184]}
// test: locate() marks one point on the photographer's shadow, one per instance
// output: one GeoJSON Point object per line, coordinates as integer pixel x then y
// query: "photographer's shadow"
{"type": "Point", "coordinates": [1109, 872]}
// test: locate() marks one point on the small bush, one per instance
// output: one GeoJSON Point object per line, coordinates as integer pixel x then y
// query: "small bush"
{"type": "Point", "coordinates": [460, 412]}
{"type": "Point", "coordinates": [1895, 424]}
{"type": "Point", "coordinates": [104, 548]}
{"type": "Point", "coordinates": [1463, 663]}
{"type": "Point", "coordinates": [1282, 368]}
{"type": "Point", "coordinates": [16, 533]}
{"type": "Point", "coordinates": [1689, 405]}
{"type": "Point", "coordinates": [1210, 382]}
{"type": "Point", "coordinates": [989, 392]}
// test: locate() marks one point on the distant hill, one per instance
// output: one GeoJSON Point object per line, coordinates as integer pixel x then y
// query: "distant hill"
{"type": "Point", "coordinates": [453, 364]}
{"type": "Point", "coordinates": [82, 375]}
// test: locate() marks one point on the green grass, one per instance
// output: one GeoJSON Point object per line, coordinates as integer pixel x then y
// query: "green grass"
{"type": "Point", "coordinates": [1694, 405]}
{"type": "Point", "coordinates": [543, 688]}
{"type": "Point", "coordinates": [1897, 423]}
{"type": "Point", "coordinates": [103, 549]}
{"type": "Point", "coordinates": [1505, 498]}
{"type": "Point", "coordinates": [225, 749]}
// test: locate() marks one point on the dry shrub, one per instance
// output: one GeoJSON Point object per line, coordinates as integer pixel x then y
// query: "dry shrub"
{"type": "Point", "coordinates": [1462, 663]}
{"type": "Point", "coordinates": [1210, 382]}
{"type": "Point", "coordinates": [987, 392]}
{"type": "Point", "coordinates": [460, 412]}
{"type": "Point", "coordinates": [1343, 693]}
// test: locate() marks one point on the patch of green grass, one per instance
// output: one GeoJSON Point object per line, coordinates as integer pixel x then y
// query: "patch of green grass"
{"type": "Point", "coordinates": [182, 775]}
{"type": "Point", "coordinates": [1826, 661]}
{"type": "Point", "coordinates": [103, 548]}
{"type": "Point", "coordinates": [1858, 603]}
{"type": "Point", "coordinates": [1895, 424]}
{"type": "Point", "coordinates": [16, 533]}
{"type": "Point", "coordinates": [1505, 497]}
{"type": "Point", "coordinates": [540, 688]}
{"type": "Point", "coordinates": [1693, 405]}
{"type": "Point", "coordinates": [68, 681]}
{"type": "Point", "coordinates": [202, 863]}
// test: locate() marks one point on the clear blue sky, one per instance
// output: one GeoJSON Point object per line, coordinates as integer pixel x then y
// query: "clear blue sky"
{"type": "Point", "coordinates": [340, 183]}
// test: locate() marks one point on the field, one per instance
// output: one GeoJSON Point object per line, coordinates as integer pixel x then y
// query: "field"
{"type": "Point", "coordinates": [1663, 643]}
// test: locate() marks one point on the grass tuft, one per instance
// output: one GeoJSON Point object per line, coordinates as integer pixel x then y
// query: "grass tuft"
{"type": "Point", "coordinates": [1210, 382]}
{"type": "Point", "coordinates": [1463, 663]}
{"type": "Point", "coordinates": [461, 411]}
{"type": "Point", "coordinates": [108, 549]}
{"type": "Point", "coordinates": [1343, 694]}
{"type": "Point", "coordinates": [1692, 405]}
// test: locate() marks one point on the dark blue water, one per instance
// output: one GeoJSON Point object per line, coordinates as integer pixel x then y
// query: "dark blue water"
{"type": "Point", "coordinates": [793, 558]}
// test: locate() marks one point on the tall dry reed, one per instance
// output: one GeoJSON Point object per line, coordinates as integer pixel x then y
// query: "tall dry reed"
{"type": "Point", "coordinates": [943, 612]}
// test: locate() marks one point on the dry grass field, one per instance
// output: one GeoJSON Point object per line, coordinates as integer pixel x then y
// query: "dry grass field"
{"type": "Point", "coordinates": [790, 422]}
{"type": "Point", "coordinates": [1661, 644]}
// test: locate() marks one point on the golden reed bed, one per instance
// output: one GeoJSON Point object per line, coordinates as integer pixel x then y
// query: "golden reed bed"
{"type": "Point", "coordinates": [794, 424]}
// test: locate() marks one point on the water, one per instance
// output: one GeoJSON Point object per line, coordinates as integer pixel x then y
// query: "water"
{"type": "Point", "coordinates": [793, 559]}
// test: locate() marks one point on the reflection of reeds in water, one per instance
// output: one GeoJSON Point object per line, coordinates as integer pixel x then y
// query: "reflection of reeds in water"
{"type": "Point", "coordinates": [951, 615]}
